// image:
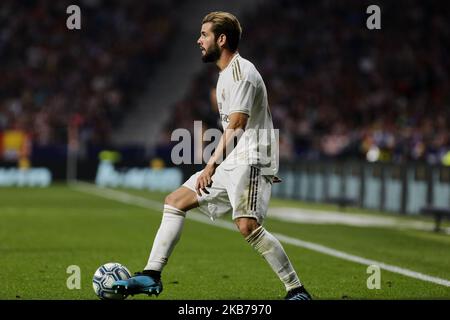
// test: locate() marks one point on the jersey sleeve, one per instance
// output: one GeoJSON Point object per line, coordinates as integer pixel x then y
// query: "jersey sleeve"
{"type": "Point", "coordinates": [242, 96]}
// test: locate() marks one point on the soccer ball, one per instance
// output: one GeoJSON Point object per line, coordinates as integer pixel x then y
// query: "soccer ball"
{"type": "Point", "coordinates": [104, 278]}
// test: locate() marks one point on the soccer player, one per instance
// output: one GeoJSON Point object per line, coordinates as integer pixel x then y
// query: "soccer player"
{"type": "Point", "coordinates": [238, 177]}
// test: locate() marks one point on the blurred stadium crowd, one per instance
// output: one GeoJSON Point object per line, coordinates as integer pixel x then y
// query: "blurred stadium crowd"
{"type": "Point", "coordinates": [336, 89]}
{"type": "Point", "coordinates": [339, 90]}
{"type": "Point", "coordinates": [51, 76]}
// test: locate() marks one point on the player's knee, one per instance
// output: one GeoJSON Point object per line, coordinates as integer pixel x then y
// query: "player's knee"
{"type": "Point", "coordinates": [171, 200]}
{"type": "Point", "coordinates": [246, 225]}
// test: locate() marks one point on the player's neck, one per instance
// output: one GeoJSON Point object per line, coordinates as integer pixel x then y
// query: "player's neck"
{"type": "Point", "coordinates": [225, 59]}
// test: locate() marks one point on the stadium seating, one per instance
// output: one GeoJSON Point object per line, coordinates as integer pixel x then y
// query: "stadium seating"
{"type": "Point", "coordinates": [339, 90]}
{"type": "Point", "coordinates": [52, 76]}
{"type": "Point", "coordinates": [336, 89]}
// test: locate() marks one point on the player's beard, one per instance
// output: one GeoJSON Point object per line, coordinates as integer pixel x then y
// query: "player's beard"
{"type": "Point", "coordinates": [212, 55]}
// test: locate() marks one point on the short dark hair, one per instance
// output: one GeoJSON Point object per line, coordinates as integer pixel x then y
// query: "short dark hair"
{"type": "Point", "coordinates": [227, 24]}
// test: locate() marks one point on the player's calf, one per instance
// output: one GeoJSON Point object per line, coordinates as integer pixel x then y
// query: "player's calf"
{"type": "Point", "coordinates": [271, 249]}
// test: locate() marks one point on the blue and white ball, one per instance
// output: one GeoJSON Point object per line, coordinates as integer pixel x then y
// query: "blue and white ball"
{"type": "Point", "coordinates": [104, 278]}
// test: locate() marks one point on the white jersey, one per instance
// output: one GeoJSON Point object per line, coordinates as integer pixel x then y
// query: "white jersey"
{"type": "Point", "coordinates": [240, 88]}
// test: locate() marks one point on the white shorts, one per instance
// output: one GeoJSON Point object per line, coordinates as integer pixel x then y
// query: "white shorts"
{"type": "Point", "coordinates": [241, 190]}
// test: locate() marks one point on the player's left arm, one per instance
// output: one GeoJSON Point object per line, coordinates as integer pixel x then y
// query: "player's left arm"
{"type": "Point", "coordinates": [236, 126]}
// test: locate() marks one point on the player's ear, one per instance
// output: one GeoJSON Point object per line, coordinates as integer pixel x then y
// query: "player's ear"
{"type": "Point", "coordinates": [221, 40]}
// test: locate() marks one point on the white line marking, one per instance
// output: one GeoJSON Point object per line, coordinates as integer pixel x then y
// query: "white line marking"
{"type": "Point", "coordinates": [155, 205]}
{"type": "Point", "coordinates": [350, 219]}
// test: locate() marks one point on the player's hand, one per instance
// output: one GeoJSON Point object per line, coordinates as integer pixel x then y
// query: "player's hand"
{"type": "Point", "coordinates": [205, 179]}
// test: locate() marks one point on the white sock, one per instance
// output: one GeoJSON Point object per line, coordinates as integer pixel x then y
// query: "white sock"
{"type": "Point", "coordinates": [272, 250]}
{"type": "Point", "coordinates": [168, 234]}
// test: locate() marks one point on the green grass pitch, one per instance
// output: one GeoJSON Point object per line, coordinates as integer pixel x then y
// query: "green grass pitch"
{"type": "Point", "coordinates": [44, 231]}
